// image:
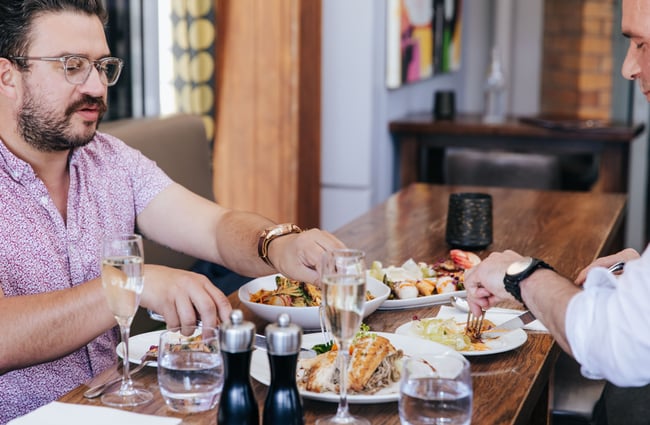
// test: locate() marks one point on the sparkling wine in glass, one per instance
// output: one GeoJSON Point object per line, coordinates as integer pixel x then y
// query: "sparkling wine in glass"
{"type": "Point", "coordinates": [123, 281]}
{"type": "Point", "coordinates": [343, 279]}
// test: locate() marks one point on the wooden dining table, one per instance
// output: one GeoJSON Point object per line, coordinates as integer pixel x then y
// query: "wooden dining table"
{"type": "Point", "coordinates": [566, 229]}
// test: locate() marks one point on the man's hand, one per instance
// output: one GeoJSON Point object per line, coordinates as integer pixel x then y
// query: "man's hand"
{"type": "Point", "coordinates": [183, 297]}
{"type": "Point", "coordinates": [625, 255]}
{"type": "Point", "coordinates": [298, 256]}
{"type": "Point", "coordinates": [484, 282]}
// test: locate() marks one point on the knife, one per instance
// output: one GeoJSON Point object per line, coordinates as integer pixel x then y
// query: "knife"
{"type": "Point", "coordinates": [305, 353]}
{"type": "Point", "coordinates": [510, 325]}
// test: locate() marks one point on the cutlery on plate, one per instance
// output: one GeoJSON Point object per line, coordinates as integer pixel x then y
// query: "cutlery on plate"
{"type": "Point", "coordinates": [98, 390]}
{"type": "Point", "coordinates": [459, 303]}
{"type": "Point", "coordinates": [510, 325]}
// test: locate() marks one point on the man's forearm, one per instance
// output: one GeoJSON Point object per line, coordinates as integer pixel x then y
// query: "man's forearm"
{"type": "Point", "coordinates": [43, 327]}
{"type": "Point", "coordinates": [547, 295]}
{"type": "Point", "coordinates": [238, 235]}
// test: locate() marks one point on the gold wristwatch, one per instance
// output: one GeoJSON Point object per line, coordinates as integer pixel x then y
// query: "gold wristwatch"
{"type": "Point", "coordinates": [271, 233]}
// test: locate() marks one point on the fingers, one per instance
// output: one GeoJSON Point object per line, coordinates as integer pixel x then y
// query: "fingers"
{"type": "Point", "coordinates": [184, 298]}
{"type": "Point", "coordinates": [302, 255]}
{"type": "Point", "coordinates": [625, 255]}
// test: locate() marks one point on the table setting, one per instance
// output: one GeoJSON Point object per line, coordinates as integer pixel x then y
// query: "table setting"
{"type": "Point", "coordinates": [510, 386]}
{"type": "Point", "coordinates": [349, 293]}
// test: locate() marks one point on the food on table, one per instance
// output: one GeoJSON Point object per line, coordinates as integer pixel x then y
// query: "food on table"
{"type": "Point", "coordinates": [292, 293]}
{"type": "Point", "coordinates": [192, 343]}
{"type": "Point", "coordinates": [418, 279]}
{"type": "Point", "coordinates": [450, 333]}
{"type": "Point", "coordinates": [374, 364]}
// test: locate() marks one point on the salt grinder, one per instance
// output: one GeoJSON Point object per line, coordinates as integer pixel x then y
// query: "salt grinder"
{"type": "Point", "coordinates": [237, 405]}
{"type": "Point", "coordinates": [283, 404]}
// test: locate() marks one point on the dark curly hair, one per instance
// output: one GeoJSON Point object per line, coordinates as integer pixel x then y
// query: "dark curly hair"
{"type": "Point", "coordinates": [17, 17]}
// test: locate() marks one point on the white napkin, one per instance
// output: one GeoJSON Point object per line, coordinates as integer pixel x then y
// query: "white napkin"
{"type": "Point", "coordinates": [57, 413]}
{"type": "Point", "coordinates": [496, 315]}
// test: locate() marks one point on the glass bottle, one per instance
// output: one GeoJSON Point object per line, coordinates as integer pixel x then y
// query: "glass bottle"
{"type": "Point", "coordinates": [237, 405]}
{"type": "Point", "coordinates": [495, 92]}
{"type": "Point", "coordinates": [283, 404]}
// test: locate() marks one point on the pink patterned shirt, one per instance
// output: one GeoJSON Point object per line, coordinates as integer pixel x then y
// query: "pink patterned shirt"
{"type": "Point", "coordinates": [110, 184]}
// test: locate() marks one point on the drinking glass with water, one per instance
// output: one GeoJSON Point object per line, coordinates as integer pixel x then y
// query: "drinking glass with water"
{"type": "Point", "coordinates": [436, 389]}
{"type": "Point", "coordinates": [190, 369]}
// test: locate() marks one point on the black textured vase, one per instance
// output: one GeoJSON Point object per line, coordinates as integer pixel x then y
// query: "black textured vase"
{"type": "Point", "coordinates": [469, 220]}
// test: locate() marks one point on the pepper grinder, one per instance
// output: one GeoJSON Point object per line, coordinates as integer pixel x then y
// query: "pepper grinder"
{"type": "Point", "coordinates": [237, 405]}
{"type": "Point", "coordinates": [283, 404]}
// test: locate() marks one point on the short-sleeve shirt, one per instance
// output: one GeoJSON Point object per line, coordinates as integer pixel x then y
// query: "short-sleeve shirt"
{"type": "Point", "coordinates": [110, 184]}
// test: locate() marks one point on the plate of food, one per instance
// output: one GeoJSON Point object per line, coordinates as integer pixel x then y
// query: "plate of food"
{"type": "Point", "coordinates": [139, 345]}
{"type": "Point", "coordinates": [375, 355]}
{"type": "Point", "coordinates": [416, 284]}
{"type": "Point", "coordinates": [450, 332]}
{"type": "Point", "coordinates": [269, 296]}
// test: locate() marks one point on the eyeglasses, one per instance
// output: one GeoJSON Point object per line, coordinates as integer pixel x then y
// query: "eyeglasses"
{"type": "Point", "coordinates": [77, 68]}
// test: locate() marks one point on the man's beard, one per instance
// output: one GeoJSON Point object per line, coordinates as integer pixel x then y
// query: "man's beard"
{"type": "Point", "coordinates": [47, 132]}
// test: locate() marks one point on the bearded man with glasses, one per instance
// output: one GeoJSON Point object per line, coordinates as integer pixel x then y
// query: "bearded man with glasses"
{"type": "Point", "coordinates": [64, 186]}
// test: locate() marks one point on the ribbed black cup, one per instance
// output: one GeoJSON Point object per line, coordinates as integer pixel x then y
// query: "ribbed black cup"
{"type": "Point", "coordinates": [469, 221]}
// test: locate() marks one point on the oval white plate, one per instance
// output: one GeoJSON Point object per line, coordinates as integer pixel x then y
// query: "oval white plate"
{"type": "Point", "coordinates": [420, 301]}
{"type": "Point", "coordinates": [139, 345]}
{"type": "Point", "coordinates": [506, 342]}
{"type": "Point", "coordinates": [306, 317]}
{"type": "Point", "coordinates": [411, 346]}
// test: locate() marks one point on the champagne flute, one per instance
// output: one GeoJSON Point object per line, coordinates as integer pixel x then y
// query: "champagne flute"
{"type": "Point", "coordinates": [123, 281]}
{"type": "Point", "coordinates": [343, 278]}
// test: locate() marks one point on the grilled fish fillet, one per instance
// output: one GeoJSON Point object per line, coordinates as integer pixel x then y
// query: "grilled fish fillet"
{"type": "Point", "coordinates": [372, 367]}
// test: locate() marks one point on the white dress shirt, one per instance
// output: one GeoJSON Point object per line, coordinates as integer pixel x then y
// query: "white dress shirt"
{"type": "Point", "coordinates": [608, 324]}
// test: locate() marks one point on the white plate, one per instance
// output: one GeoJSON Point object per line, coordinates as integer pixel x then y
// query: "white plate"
{"type": "Point", "coordinates": [506, 342]}
{"type": "Point", "coordinates": [139, 345]}
{"type": "Point", "coordinates": [420, 301]}
{"type": "Point", "coordinates": [411, 346]}
{"type": "Point", "coordinates": [305, 317]}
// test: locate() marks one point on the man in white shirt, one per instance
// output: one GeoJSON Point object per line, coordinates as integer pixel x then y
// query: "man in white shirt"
{"type": "Point", "coordinates": [602, 324]}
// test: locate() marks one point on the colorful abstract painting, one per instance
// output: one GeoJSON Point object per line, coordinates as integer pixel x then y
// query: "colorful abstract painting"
{"type": "Point", "coordinates": [423, 39]}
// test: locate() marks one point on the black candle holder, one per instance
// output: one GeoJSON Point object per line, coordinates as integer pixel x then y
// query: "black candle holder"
{"type": "Point", "coordinates": [469, 221]}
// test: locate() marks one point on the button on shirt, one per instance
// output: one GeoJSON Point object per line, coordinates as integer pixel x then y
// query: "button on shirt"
{"type": "Point", "coordinates": [606, 324]}
{"type": "Point", "coordinates": [110, 184]}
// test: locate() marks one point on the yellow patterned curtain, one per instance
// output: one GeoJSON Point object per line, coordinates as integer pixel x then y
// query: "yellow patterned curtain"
{"type": "Point", "coordinates": [194, 63]}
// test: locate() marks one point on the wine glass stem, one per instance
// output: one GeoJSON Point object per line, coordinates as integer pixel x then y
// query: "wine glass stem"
{"type": "Point", "coordinates": [343, 358]}
{"type": "Point", "coordinates": [127, 384]}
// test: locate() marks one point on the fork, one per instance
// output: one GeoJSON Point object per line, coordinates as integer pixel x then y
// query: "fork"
{"type": "Point", "coordinates": [98, 390]}
{"type": "Point", "coordinates": [474, 325]}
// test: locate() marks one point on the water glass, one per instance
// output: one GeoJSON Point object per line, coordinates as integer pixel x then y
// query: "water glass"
{"type": "Point", "coordinates": [436, 389]}
{"type": "Point", "coordinates": [190, 369]}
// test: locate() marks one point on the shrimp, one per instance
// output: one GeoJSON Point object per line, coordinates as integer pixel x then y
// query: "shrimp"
{"type": "Point", "coordinates": [464, 259]}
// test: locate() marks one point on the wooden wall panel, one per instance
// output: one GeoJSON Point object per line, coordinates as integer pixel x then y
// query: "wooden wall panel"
{"type": "Point", "coordinates": [267, 144]}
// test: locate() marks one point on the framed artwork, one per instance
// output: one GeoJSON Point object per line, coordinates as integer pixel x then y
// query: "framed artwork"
{"type": "Point", "coordinates": [423, 39]}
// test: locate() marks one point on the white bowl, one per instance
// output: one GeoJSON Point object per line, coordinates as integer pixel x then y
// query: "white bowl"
{"type": "Point", "coordinates": [306, 317]}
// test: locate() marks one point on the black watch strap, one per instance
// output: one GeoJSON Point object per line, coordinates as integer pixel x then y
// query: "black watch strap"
{"type": "Point", "coordinates": [512, 282]}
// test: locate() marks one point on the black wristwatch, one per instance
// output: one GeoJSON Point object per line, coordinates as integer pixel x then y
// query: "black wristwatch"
{"type": "Point", "coordinates": [520, 270]}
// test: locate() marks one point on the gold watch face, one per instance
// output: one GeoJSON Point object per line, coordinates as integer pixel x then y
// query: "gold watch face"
{"type": "Point", "coordinates": [519, 266]}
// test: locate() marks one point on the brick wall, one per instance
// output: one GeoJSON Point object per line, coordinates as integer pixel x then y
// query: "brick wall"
{"type": "Point", "coordinates": [577, 58]}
